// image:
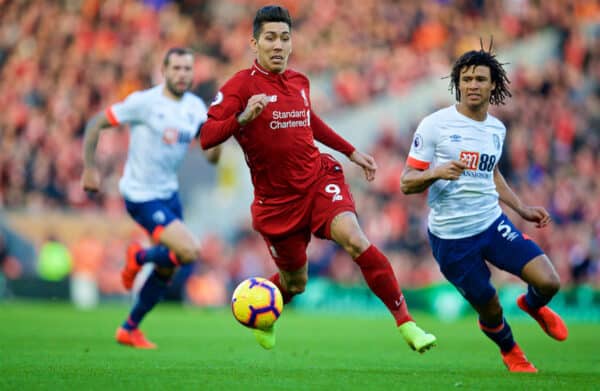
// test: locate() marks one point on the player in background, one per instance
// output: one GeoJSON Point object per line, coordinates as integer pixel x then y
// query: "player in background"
{"type": "Point", "coordinates": [298, 190]}
{"type": "Point", "coordinates": [455, 154]}
{"type": "Point", "coordinates": [163, 120]}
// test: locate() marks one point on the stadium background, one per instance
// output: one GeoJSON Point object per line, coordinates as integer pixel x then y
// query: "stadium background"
{"type": "Point", "coordinates": [376, 68]}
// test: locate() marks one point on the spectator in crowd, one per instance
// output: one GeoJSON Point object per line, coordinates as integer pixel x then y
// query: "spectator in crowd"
{"type": "Point", "coordinates": [68, 58]}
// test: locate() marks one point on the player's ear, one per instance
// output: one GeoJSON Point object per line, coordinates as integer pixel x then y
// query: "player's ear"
{"type": "Point", "coordinates": [254, 45]}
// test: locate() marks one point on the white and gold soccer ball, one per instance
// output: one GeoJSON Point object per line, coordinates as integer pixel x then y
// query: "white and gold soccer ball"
{"type": "Point", "coordinates": [257, 303]}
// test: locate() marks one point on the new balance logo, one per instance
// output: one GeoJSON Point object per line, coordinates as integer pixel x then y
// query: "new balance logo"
{"type": "Point", "coordinates": [399, 301]}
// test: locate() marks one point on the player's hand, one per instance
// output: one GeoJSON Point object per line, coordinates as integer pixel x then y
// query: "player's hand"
{"type": "Point", "coordinates": [536, 214]}
{"type": "Point", "coordinates": [450, 171]}
{"type": "Point", "coordinates": [366, 162]}
{"type": "Point", "coordinates": [90, 180]}
{"type": "Point", "coordinates": [256, 104]}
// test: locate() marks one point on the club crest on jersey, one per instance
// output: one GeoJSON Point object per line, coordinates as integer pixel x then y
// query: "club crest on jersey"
{"type": "Point", "coordinates": [496, 141]}
{"type": "Point", "coordinates": [218, 99]}
{"type": "Point", "coordinates": [303, 93]}
{"type": "Point", "coordinates": [418, 142]}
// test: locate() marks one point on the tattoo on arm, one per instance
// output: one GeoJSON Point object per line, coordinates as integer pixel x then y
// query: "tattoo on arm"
{"type": "Point", "coordinates": [91, 137]}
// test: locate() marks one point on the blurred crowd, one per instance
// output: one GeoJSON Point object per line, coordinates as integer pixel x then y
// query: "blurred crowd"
{"type": "Point", "coordinates": [62, 61]}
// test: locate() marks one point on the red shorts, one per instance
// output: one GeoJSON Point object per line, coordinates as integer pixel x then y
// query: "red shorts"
{"type": "Point", "coordinates": [287, 227]}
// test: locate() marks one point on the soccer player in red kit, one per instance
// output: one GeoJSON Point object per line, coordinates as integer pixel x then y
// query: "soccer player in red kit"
{"type": "Point", "coordinates": [297, 190]}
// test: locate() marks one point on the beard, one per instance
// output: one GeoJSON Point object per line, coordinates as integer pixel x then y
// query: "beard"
{"type": "Point", "coordinates": [175, 91]}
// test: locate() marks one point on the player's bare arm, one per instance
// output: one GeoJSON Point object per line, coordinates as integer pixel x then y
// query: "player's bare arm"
{"type": "Point", "coordinates": [416, 181]}
{"type": "Point", "coordinates": [536, 214]}
{"type": "Point", "coordinates": [256, 104]}
{"type": "Point", "coordinates": [366, 162]}
{"type": "Point", "coordinates": [90, 178]}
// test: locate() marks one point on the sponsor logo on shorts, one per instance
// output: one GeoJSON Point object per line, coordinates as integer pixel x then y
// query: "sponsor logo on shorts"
{"type": "Point", "coordinates": [506, 231]}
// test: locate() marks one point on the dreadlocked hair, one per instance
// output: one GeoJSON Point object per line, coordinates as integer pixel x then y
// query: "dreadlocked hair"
{"type": "Point", "coordinates": [484, 58]}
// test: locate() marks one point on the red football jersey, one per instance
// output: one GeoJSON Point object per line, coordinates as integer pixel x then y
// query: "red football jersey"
{"type": "Point", "coordinates": [279, 144]}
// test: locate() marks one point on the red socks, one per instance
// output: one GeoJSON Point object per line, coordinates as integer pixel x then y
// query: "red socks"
{"type": "Point", "coordinates": [379, 275]}
{"type": "Point", "coordinates": [287, 297]}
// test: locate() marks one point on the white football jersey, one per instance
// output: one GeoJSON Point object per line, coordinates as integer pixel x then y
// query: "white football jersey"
{"type": "Point", "coordinates": [469, 205]}
{"type": "Point", "coordinates": [161, 131]}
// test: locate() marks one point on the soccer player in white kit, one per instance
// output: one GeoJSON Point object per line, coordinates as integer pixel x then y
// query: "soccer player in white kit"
{"type": "Point", "coordinates": [455, 154]}
{"type": "Point", "coordinates": [163, 120]}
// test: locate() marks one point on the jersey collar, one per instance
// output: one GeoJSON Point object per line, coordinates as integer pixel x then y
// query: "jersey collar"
{"type": "Point", "coordinates": [259, 69]}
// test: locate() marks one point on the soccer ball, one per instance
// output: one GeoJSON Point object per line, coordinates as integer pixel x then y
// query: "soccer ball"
{"type": "Point", "coordinates": [256, 303]}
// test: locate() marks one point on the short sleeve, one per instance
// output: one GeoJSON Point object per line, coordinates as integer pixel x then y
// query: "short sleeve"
{"type": "Point", "coordinates": [228, 101]}
{"type": "Point", "coordinates": [127, 111]}
{"type": "Point", "coordinates": [423, 145]}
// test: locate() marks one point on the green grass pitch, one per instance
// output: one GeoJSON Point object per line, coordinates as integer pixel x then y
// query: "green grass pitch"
{"type": "Point", "coordinates": [51, 346]}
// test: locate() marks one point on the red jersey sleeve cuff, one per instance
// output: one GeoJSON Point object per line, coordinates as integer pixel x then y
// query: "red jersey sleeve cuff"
{"type": "Point", "coordinates": [416, 163]}
{"type": "Point", "coordinates": [111, 116]}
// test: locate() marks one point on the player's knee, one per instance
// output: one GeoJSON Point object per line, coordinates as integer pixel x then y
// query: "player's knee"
{"type": "Point", "coordinates": [550, 285]}
{"type": "Point", "coordinates": [491, 311]}
{"type": "Point", "coordinates": [188, 254]}
{"type": "Point", "coordinates": [165, 273]}
{"type": "Point", "coordinates": [356, 243]}
{"type": "Point", "coordinates": [496, 312]}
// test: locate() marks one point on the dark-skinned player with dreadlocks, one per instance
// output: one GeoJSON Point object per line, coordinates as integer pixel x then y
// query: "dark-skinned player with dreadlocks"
{"type": "Point", "coordinates": [455, 154]}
